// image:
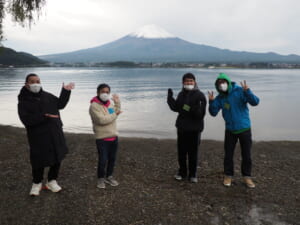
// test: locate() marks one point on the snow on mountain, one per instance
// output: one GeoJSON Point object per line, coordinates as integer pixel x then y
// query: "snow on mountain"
{"type": "Point", "coordinates": [152, 31]}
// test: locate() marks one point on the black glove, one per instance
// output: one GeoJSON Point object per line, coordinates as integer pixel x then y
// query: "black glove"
{"type": "Point", "coordinates": [170, 93]}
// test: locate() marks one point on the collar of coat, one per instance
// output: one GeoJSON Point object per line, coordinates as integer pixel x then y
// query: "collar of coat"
{"type": "Point", "coordinates": [97, 100]}
{"type": "Point", "coordinates": [25, 93]}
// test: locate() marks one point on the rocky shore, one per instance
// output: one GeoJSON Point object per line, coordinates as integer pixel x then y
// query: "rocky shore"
{"type": "Point", "coordinates": [148, 194]}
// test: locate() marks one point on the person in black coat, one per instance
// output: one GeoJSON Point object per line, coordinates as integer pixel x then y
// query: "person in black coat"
{"type": "Point", "coordinates": [190, 106]}
{"type": "Point", "coordinates": [39, 112]}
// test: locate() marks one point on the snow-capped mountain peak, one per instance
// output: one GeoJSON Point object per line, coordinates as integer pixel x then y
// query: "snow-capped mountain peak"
{"type": "Point", "coordinates": [151, 31]}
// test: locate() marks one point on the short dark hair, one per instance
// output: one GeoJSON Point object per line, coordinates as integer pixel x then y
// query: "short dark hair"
{"type": "Point", "coordinates": [101, 86]}
{"type": "Point", "coordinates": [188, 76]}
{"type": "Point", "coordinates": [30, 75]}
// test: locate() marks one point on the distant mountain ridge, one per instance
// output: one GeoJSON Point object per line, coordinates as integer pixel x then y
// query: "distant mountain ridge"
{"type": "Point", "coordinates": [154, 44]}
{"type": "Point", "coordinates": [9, 57]}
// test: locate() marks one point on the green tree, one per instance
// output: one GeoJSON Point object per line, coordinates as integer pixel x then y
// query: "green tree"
{"type": "Point", "coordinates": [22, 11]}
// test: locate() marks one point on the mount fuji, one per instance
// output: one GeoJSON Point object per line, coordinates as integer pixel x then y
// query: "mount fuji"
{"type": "Point", "coordinates": [153, 44]}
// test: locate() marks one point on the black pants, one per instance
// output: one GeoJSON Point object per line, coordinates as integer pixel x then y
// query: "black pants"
{"type": "Point", "coordinates": [245, 140]}
{"type": "Point", "coordinates": [187, 147]}
{"type": "Point", "coordinates": [107, 152]}
{"type": "Point", "coordinates": [38, 173]}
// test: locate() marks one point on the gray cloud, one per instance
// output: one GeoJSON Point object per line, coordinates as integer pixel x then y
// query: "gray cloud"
{"type": "Point", "coordinates": [250, 25]}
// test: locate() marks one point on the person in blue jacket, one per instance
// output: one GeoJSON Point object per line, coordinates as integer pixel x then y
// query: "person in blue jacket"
{"type": "Point", "coordinates": [233, 100]}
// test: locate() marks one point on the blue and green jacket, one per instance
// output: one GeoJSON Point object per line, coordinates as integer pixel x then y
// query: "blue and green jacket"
{"type": "Point", "coordinates": [234, 105]}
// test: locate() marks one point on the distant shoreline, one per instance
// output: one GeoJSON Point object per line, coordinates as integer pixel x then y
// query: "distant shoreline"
{"type": "Point", "coordinates": [22, 128]}
{"type": "Point", "coordinates": [131, 135]}
{"type": "Point", "coordinates": [179, 65]}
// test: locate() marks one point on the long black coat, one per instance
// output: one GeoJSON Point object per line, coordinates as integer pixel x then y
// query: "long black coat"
{"type": "Point", "coordinates": [191, 120]}
{"type": "Point", "coordinates": [45, 135]}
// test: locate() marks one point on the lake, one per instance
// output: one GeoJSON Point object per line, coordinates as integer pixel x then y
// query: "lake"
{"type": "Point", "coordinates": [143, 93]}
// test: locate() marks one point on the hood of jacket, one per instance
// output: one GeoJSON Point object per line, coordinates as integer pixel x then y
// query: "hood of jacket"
{"type": "Point", "coordinates": [97, 100]}
{"type": "Point", "coordinates": [223, 76]}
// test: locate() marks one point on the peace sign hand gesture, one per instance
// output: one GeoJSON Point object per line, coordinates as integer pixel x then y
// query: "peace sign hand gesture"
{"type": "Point", "coordinates": [244, 85]}
{"type": "Point", "coordinates": [211, 96]}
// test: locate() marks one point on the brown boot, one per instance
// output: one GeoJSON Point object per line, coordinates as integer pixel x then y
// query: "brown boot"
{"type": "Point", "coordinates": [227, 181]}
{"type": "Point", "coordinates": [249, 183]}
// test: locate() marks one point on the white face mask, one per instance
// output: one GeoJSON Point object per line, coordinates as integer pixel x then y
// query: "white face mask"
{"type": "Point", "coordinates": [35, 88]}
{"type": "Point", "coordinates": [188, 87]}
{"type": "Point", "coordinates": [223, 87]}
{"type": "Point", "coordinates": [104, 97]}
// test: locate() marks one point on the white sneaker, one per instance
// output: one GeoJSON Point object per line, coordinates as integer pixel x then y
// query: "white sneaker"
{"type": "Point", "coordinates": [101, 183]}
{"type": "Point", "coordinates": [53, 186]}
{"type": "Point", "coordinates": [110, 180]}
{"type": "Point", "coordinates": [194, 180]}
{"type": "Point", "coordinates": [178, 177]}
{"type": "Point", "coordinates": [35, 189]}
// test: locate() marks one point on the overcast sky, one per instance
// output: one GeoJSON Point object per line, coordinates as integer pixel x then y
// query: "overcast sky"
{"type": "Point", "coordinates": [248, 25]}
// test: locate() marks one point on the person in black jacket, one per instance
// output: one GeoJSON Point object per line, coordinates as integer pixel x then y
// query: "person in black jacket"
{"type": "Point", "coordinates": [39, 112]}
{"type": "Point", "coordinates": [190, 106]}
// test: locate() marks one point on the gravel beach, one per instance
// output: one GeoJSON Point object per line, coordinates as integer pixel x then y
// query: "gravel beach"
{"type": "Point", "coordinates": [147, 193]}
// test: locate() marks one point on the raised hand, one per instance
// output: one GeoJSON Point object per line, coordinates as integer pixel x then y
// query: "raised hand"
{"type": "Point", "coordinates": [211, 96]}
{"type": "Point", "coordinates": [115, 98]}
{"type": "Point", "coordinates": [170, 92]}
{"type": "Point", "coordinates": [244, 85]}
{"type": "Point", "coordinates": [69, 86]}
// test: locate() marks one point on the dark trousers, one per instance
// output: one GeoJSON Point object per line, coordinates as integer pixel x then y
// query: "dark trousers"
{"type": "Point", "coordinates": [187, 148]}
{"type": "Point", "coordinates": [107, 152]}
{"type": "Point", "coordinates": [245, 140]}
{"type": "Point", "coordinates": [38, 173]}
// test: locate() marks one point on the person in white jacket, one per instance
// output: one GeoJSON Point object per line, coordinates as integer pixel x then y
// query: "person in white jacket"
{"type": "Point", "coordinates": [104, 114]}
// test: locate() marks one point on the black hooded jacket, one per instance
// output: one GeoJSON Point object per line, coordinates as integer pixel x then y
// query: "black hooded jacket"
{"type": "Point", "coordinates": [191, 108]}
{"type": "Point", "coordinates": [45, 135]}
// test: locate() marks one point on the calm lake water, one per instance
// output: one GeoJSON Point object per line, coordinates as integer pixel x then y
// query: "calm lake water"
{"type": "Point", "coordinates": [143, 94]}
